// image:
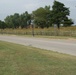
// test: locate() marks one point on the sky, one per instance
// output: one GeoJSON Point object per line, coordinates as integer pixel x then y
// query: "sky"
{"type": "Point", "coordinates": [9, 7]}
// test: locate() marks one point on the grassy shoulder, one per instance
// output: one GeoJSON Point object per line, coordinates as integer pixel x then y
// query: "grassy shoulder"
{"type": "Point", "coordinates": [25, 60]}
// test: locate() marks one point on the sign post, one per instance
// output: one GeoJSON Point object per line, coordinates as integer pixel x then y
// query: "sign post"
{"type": "Point", "coordinates": [32, 24]}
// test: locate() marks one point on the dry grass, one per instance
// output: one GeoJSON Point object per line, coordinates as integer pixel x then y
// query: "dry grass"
{"type": "Point", "coordinates": [64, 31]}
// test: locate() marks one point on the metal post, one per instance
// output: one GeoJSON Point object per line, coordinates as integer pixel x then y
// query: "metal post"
{"type": "Point", "coordinates": [33, 30]}
{"type": "Point", "coordinates": [32, 23]}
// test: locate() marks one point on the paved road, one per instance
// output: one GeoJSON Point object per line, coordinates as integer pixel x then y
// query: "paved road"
{"type": "Point", "coordinates": [62, 46]}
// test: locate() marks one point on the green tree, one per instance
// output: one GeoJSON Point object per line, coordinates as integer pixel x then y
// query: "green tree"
{"type": "Point", "coordinates": [13, 21]}
{"type": "Point", "coordinates": [41, 16]}
{"type": "Point", "coordinates": [24, 19]}
{"type": "Point", "coordinates": [16, 20]}
{"type": "Point", "coordinates": [2, 25]}
{"type": "Point", "coordinates": [59, 13]}
{"type": "Point", "coordinates": [68, 22]}
{"type": "Point", "coordinates": [9, 21]}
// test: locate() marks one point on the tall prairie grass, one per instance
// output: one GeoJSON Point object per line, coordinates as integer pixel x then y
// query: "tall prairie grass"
{"type": "Point", "coordinates": [63, 31]}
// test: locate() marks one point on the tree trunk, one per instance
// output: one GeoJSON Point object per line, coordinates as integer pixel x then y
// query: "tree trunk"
{"type": "Point", "coordinates": [58, 26]}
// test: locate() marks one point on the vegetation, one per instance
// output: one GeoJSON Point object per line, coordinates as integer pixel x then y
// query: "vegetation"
{"type": "Point", "coordinates": [15, 21]}
{"type": "Point", "coordinates": [60, 14]}
{"type": "Point", "coordinates": [42, 17]}
{"type": "Point", "coordinates": [2, 25]}
{"type": "Point", "coordinates": [63, 31]}
{"type": "Point", "coordinates": [21, 60]}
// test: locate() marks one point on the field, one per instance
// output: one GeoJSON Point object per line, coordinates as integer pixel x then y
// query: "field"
{"type": "Point", "coordinates": [63, 31]}
{"type": "Point", "coordinates": [25, 60]}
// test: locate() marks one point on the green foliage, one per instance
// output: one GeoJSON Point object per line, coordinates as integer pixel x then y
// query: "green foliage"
{"type": "Point", "coordinates": [24, 18]}
{"type": "Point", "coordinates": [16, 20]}
{"type": "Point", "coordinates": [2, 25]}
{"type": "Point", "coordinates": [12, 21]}
{"type": "Point", "coordinates": [41, 16]}
{"type": "Point", "coordinates": [68, 22]}
{"type": "Point", "coordinates": [59, 13]}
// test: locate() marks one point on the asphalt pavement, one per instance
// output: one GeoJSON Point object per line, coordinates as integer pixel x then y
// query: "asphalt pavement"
{"type": "Point", "coordinates": [67, 46]}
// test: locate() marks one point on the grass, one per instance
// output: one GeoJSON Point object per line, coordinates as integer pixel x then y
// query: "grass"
{"type": "Point", "coordinates": [63, 31]}
{"type": "Point", "coordinates": [25, 60]}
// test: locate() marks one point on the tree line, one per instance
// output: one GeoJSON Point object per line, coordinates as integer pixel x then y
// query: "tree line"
{"type": "Point", "coordinates": [42, 17]}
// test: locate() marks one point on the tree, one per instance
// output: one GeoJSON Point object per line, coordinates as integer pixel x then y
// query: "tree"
{"type": "Point", "coordinates": [13, 21]}
{"type": "Point", "coordinates": [59, 13]}
{"type": "Point", "coordinates": [24, 18]}
{"type": "Point", "coordinates": [8, 21]}
{"type": "Point", "coordinates": [2, 25]}
{"type": "Point", "coordinates": [68, 22]}
{"type": "Point", "coordinates": [16, 20]}
{"type": "Point", "coordinates": [41, 16]}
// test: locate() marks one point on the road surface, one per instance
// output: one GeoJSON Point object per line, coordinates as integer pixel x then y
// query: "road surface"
{"type": "Point", "coordinates": [59, 45]}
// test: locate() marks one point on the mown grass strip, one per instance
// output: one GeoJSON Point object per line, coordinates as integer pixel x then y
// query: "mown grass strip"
{"type": "Point", "coordinates": [25, 60]}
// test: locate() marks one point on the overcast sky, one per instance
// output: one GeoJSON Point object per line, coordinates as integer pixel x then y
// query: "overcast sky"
{"type": "Point", "coordinates": [9, 7]}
